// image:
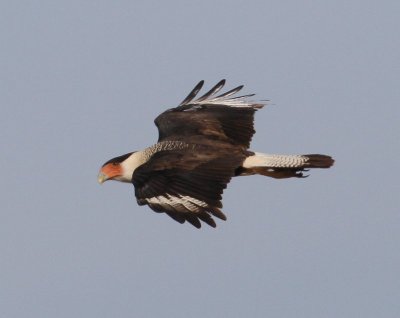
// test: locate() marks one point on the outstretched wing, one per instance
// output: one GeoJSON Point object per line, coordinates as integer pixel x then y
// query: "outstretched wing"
{"type": "Point", "coordinates": [224, 117]}
{"type": "Point", "coordinates": [186, 185]}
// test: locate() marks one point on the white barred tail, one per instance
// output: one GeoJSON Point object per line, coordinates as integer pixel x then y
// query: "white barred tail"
{"type": "Point", "coordinates": [283, 166]}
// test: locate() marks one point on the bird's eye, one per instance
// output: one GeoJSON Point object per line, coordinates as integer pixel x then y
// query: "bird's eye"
{"type": "Point", "coordinates": [115, 163]}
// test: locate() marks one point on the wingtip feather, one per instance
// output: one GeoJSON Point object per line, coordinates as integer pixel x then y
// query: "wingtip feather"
{"type": "Point", "coordinates": [193, 93]}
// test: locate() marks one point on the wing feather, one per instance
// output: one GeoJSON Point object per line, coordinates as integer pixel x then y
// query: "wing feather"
{"type": "Point", "coordinates": [186, 192]}
{"type": "Point", "coordinates": [229, 93]}
{"type": "Point", "coordinates": [193, 93]}
{"type": "Point", "coordinates": [212, 91]}
{"type": "Point", "coordinates": [225, 118]}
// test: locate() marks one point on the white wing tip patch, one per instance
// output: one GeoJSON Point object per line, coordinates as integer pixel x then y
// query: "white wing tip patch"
{"type": "Point", "coordinates": [232, 102]}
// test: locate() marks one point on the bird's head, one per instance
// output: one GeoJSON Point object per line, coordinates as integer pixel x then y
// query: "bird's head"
{"type": "Point", "coordinates": [115, 169]}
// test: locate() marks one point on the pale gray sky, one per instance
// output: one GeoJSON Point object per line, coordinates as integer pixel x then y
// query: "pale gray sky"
{"type": "Point", "coordinates": [82, 81]}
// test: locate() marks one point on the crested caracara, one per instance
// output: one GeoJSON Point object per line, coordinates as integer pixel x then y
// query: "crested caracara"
{"type": "Point", "coordinates": [202, 144]}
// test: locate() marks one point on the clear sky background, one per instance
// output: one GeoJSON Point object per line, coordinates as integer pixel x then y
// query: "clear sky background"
{"type": "Point", "coordinates": [82, 81]}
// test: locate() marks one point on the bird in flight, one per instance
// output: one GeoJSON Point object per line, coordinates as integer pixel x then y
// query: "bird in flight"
{"type": "Point", "coordinates": [202, 144]}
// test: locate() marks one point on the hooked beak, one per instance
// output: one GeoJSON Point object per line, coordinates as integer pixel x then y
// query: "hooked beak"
{"type": "Point", "coordinates": [102, 177]}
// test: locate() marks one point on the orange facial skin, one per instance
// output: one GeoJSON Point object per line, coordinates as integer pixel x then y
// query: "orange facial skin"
{"type": "Point", "coordinates": [109, 172]}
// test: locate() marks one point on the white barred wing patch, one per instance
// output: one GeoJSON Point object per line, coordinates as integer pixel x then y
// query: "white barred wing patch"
{"type": "Point", "coordinates": [179, 203]}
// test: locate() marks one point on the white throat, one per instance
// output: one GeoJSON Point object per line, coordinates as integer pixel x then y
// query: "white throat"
{"type": "Point", "coordinates": [130, 164]}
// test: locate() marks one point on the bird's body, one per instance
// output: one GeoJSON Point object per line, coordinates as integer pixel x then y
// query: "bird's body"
{"type": "Point", "coordinates": [202, 144]}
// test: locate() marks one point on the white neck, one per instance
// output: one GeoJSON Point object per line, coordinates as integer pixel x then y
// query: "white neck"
{"type": "Point", "coordinates": [130, 164]}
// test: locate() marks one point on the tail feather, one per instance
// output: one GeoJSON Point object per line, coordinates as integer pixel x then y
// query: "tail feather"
{"type": "Point", "coordinates": [283, 166]}
{"type": "Point", "coordinates": [319, 161]}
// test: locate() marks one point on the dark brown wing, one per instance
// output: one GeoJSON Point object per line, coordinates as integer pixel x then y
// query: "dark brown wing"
{"type": "Point", "coordinates": [224, 118]}
{"type": "Point", "coordinates": [187, 185]}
